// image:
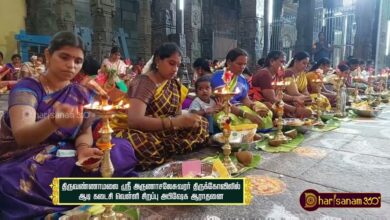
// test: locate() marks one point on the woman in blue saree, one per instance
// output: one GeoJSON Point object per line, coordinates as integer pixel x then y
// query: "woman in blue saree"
{"type": "Point", "coordinates": [44, 132]}
{"type": "Point", "coordinates": [243, 110]}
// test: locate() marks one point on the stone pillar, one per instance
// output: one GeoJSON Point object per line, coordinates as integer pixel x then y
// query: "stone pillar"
{"type": "Point", "coordinates": [219, 27]}
{"type": "Point", "coordinates": [250, 33]}
{"type": "Point", "coordinates": [145, 30]}
{"type": "Point", "coordinates": [66, 18]}
{"type": "Point", "coordinates": [192, 26]}
{"type": "Point", "coordinates": [163, 21]}
{"type": "Point", "coordinates": [41, 17]}
{"type": "Point", "coordinates": [102, 12]}
{"type": "Point", "coordinates": [180, 39]}
{"type": "Point", "coordinates": [381, 58]}
{"type": "Point", "coordinates": [47, 17]}
{"type": "Point", "coordinates": [305, 23]}
{"type": "Point", "coordinates": [206, 34]}
{"type": "Point", "coordinates": [365, 19]}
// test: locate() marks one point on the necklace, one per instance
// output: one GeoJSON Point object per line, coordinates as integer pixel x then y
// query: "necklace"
{"type": "Point", "coordinates": [47, 85]}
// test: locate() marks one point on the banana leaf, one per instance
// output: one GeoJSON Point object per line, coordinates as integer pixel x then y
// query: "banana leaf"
{"type": "Point", "coordinates": [287, 147]}
{"type": "Point", "coordinates": [241, 168]}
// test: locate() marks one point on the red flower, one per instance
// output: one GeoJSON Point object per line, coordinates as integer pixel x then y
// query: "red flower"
{"type": "Point", "coordinates": [227, 76]}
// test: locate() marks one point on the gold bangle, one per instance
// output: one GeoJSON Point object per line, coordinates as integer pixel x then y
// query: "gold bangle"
{"type": "Point", "coordinates": [171, 124]}
{"type": "Point", "coordinates": [82, 144]}
{"type": "Point", "coordinates": [162, 123]}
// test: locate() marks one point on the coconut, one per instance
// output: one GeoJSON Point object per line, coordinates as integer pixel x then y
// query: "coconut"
{"type": "Point", "coordinates": [291, 133]}
{"type": "Point", "coordinates": [275, 143]}
{"type": "Point", "coordinates": [244, 157]}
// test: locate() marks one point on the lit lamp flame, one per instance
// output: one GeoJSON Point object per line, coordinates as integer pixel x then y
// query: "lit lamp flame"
{"type": "Point", "coordinates": [280, 83]}
{"type": "Point", "coordinates": [317, 80]}
{"type": "Point", "coordinates": [224, 90]}
{"type": "Point", "coordinates": [106, 107]}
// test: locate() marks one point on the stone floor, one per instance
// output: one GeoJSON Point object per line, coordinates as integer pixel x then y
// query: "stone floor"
{"type": "Point", "coordinates": [353, 158]}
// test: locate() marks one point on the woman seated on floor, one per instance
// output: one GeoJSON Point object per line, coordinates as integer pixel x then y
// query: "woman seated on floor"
{"type": "Point", "coordinates": [296, 75]}
{"type": "Point", "coordinates": [272, 72]}
{"type": "Point", "coordinates": [44, 133]}
{"type": "Point", "coordinates": [154, 123]}
{"type": "Point", "coordinates": [317, 72]}
{"type": "Point", "coordinates": [343, 71]}
{"type": "Point", "coordinates": [243, 110]}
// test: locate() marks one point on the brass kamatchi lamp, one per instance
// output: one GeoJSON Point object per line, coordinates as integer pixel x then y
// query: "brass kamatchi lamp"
{"type": "Point", "coordinates": [370, 88]}
{"type": "Point", "coordinates": [339, 83]}
{"type": "Point", "coordinates": [385, 77]}
{"type": "Point", "coordinates": [225, 94]}
{"type": "Point", "coordinates": [356, 79]}
{"type": "Point", "coordinates": [279, 86]}
{"type": "Point", "coordinates": [106, 111]}
{"type": "Point", "coordinates": [318, 83]}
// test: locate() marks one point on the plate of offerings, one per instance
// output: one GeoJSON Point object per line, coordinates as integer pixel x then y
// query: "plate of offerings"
{"type": "Point", "coordinates": [325, 116]}
{"type": "Point", "coordinates": [293, 122]}
{"type": "Point", "coordinates": [237, 144]}
{"type": "Point", "coordinates": [177, 169]}
{"type": "Point", "coordinates": [301, 125]}
{"type": "Point", "coordinates": [385, 95]}
{"type": "Point", "coordinates": [370, 113]}
{"type": "Point", "coordinates": [363, 109]}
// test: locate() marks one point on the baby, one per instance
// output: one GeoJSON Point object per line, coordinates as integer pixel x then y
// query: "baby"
{"type": "Point", "coordinates": [204, 104]}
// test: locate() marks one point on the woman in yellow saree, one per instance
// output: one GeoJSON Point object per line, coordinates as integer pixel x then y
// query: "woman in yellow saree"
{"type": "Point", "coordinates": [317, 72]}
{"type": "Point", "coordinates": [296, 75]}
{"type": "Point", "coordinates": [154, 123]}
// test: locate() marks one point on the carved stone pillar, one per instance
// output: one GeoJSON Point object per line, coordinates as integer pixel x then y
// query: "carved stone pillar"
{"type": "Point", "coordinates": [180, 39]}
{"type": "Point", "coordinates": [163, 21]}
{"type": "Point", "coordinates": [219, 27]}
{"type": "Point", "coordinates": [41, 17]}
{"type": "Point", "coordinates": [145, 29]}
{"type": "Point", "coordinates": [66, 17]}
{"type": "Point", "coordinates": [102, 12]}
{"type": "Point", "coordinates": [250, 30]}
{"type": "Point", "coordinates": [192, 26]}
{"type": "Point", "coordinates": [206, 34]}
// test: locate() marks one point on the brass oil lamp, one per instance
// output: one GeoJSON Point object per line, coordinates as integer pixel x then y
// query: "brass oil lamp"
{"type": "Point", "coordinates": [106, 111]}
{"type": "Point", "coordinates": [225, 94]}
{"type": "Point", "coordinates": [280, 138]}
{"type": "Point", "coordinates": [318, 83]}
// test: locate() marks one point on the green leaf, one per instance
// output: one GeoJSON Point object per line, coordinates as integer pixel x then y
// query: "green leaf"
{"type": "Point", "coordinates": [242, 169]}
{"type": "Point", "coordinates": [291, 145]}
{"type": "Point", "coordinates": [129, 211]}
{"type": "Point", "coordinates": [331, 124]}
